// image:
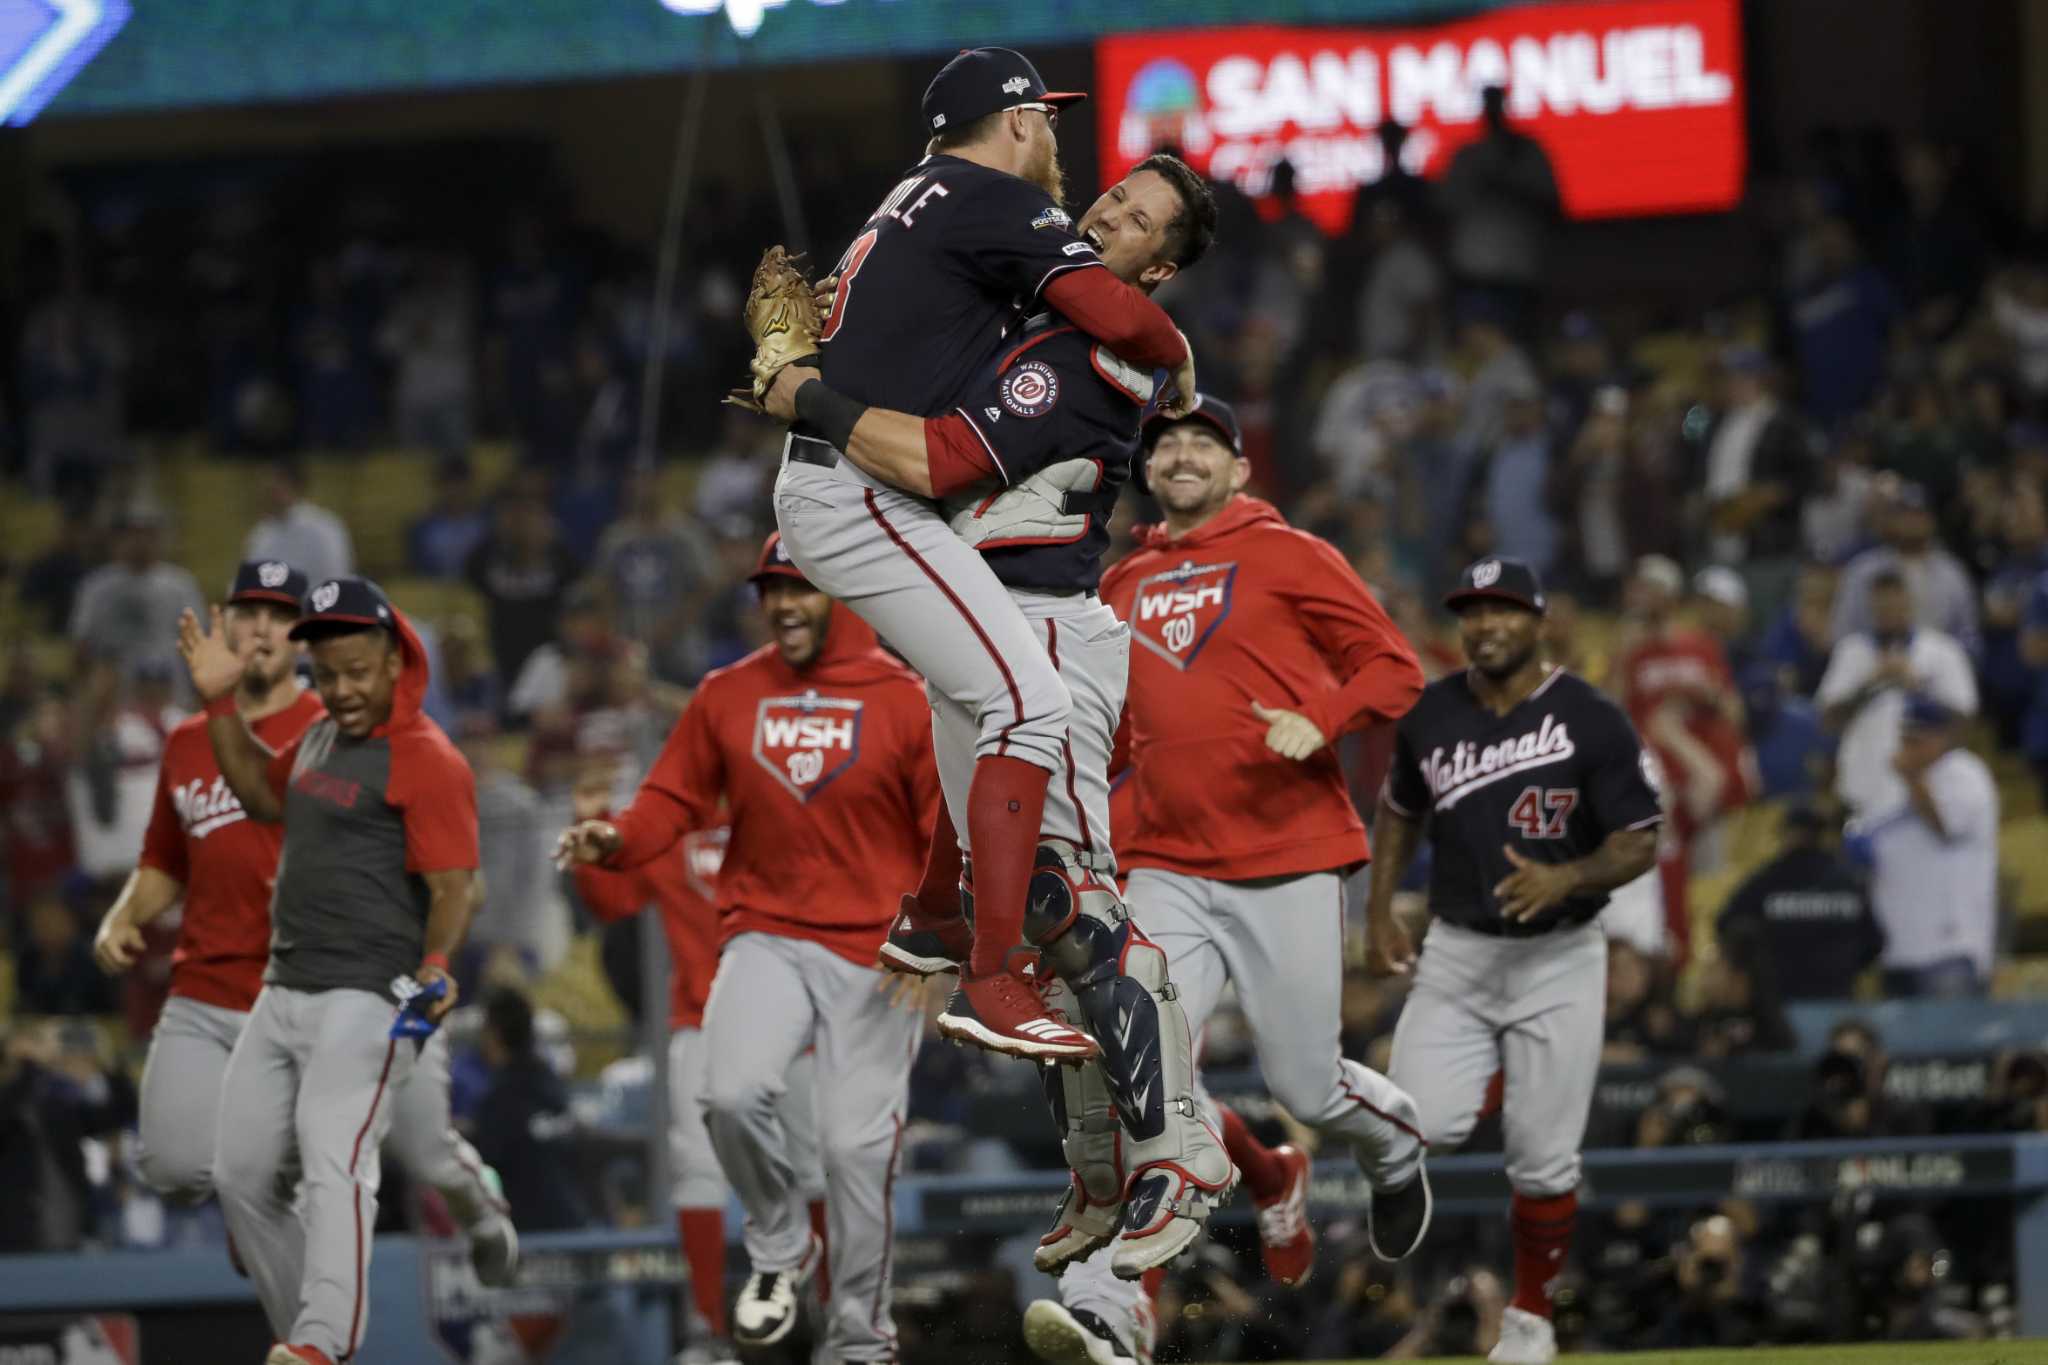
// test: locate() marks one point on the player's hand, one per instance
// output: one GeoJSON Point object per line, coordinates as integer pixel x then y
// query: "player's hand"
{"type": "Point", "coordinates": [781, 399]}
{"type": "Point", "coordinates": [587, 841]}
{"type": "Point", "coordinates": [1289, 733]}
{"type": "Point", "coordinates": [1388, 949]}
{"type": "Point", "coordinates": [1533, 887]}
{"type": "Point", "coordinates": [429, 973]}
{"type": "Point", "coordinates": [1178, 400]}
{"type": "Point", "coordinates": [117, 944]}
{"type": "Point", "coordinates": [914, 994]}
{"type": "Point", "coordinates": [825, 293]}
{"type": "Point", "coordinates": [215, 669]}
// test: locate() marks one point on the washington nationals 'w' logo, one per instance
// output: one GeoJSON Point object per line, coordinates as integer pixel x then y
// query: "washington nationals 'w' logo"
{"type": "Point", "coordinates": [804, 742]}
{"type": "Point", "coordinates": [1174, 613]}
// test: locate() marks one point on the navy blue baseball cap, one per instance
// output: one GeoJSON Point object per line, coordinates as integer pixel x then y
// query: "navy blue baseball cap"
{"type": "Point", "coordinates": [982, 80]}
{"type": "Point", "coordinates": [344, 604]}
{"type": "Point", "coordinates": [268, 580]}
{"type": "Point", "coordinates": [1212, 412]}
{"type": "Point", "coordinates": [1498, 579]}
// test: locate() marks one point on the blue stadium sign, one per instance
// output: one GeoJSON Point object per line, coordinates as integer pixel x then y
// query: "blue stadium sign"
{"type": "Point", "coordinates": [44, 43]}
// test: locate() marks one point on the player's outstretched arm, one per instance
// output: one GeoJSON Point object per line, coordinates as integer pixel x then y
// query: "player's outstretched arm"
{"type": "Point", "coordinates": [146, 895]}
{"type": "Point", "coordinates": [1395, 835]}
{"type": "Point", "coordinates": [244, 759]}
{"type": "Point", "coordinates": [881, 442]}
{"type": "Point", "coordinates": [454, 895]}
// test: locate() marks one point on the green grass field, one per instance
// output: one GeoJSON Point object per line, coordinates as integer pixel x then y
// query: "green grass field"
{"type": "Point", "coordinates": [1910, 1353]}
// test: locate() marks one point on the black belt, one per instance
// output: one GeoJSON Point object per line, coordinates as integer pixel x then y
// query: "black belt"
{"type": "Point", "coordinates": [1502, 927]}
{"type": "Point", "coordinates": [811, 450]}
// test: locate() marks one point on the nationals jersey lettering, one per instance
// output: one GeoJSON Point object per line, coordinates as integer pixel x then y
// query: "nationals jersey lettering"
{"type": "Point", "coordinates": [204, 808]}
{"type": "Point", "coordinates": [807, 741]}
{"type": "Point", "coordinates": [1175, 612]}
{"type": "Point", "coordinates": [1551, 779]}
{"type": "Point", "coordinates": [945, 268]}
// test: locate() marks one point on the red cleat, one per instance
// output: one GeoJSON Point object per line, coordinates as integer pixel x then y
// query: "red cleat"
{"type": "Point", "coordinates": [282, 1354]}
{"type": "Point", "coordinates": [924, 945]}
{"type": "Point", "coordinates": [1001, 1012]}
{"type": "Point", "coordinates": [1286, 1239]}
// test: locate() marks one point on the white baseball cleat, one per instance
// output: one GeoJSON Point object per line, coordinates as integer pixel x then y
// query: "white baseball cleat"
{"type": "Point", "coordinates": [494, 1251]}
{"type": "Point", "coordinates": [1525, 1339]}
{"type": "Point", "coordinates": [1063, 1336]}
{"type": "Point", "coordinates": [766, 1309]}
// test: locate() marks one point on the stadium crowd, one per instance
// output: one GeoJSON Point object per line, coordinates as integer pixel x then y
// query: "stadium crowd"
{"type": "Point", "coordinates": [1803, 536]}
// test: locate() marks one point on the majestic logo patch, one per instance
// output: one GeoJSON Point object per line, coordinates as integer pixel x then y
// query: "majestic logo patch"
{"type": "Point", "coordinates": [805, 742]}
{"type": "Point", "coordinates": [1078, 249]}
{"type": "Point", "coordinates": [272, 574]}
{"type": "Point", "coordinates": [1030, 389]}
{"type": "Point", "coordinates": [1174, 613]}
{"type": "Point", "coordinates": [1016, 85]}
{"type": "Point", "coordinates": [325, 596]}
{"type": "Point", "coordinates": [1053, 216]}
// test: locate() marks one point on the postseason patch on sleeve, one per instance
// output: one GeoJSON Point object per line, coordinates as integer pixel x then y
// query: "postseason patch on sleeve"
{"type": "Point", "coordinates": [1053, 216]}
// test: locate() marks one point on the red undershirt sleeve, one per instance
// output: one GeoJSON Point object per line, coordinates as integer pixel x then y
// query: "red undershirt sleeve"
{"type": "Point", "coordinates": [1118, 316]}
{"type": "Point", "coordinates": [957, 456]}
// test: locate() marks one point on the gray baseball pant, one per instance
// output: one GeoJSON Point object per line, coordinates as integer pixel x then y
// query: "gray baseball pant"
{"type": "Point", "coordinates": [699, 1183]}
{"type": "Point", "coordinates": [893, 559]}
{"type": "Point", "coordinates": [772, 998]}
{"type": "Point", "coordinates": [424, 1143]}
{"type": "Point", "coordinates": [1532, 1008]}
{"type": "Point", "coordinates": [315, 1071]}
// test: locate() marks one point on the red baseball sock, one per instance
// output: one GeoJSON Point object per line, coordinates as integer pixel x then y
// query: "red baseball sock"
{"type": "Point", "coordinates": [1152, 1280]}
{"type": "Point", "coordinates": [938, 894]}
{"type": "Point", "coordinates": [1005, 805]}
{"type": "Point", "coordinates": [1264, 1173]}
{"type": "Point", "coordinates": [1543, 1236]}
{"type": "Point", "coordinates": [824, 1276]}
{"type": "Point", "coordinates": [703, 1237]}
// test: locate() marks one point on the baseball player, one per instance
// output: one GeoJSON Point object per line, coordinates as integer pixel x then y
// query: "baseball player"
{"type": "Point", "coordinates": [201, 848]}
{"type": "Point", "coordinates": [965, 247]}
{"type": "Point", "coordinates": [1536, 797]}
{"type": "Point", "coordinates": [820, 745]}
{"type": "Point", "coordinates": [685, 889]}
{"type": "Point", "coordinates": [1258, 648]}
{"type": "Point", "coordinates": [376, 882]}
{"type": "Point", "coordinates": [1033, 492]}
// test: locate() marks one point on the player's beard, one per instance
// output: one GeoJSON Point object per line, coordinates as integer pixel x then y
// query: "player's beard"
{"type": "Point", "coordinates": [1046, 172]}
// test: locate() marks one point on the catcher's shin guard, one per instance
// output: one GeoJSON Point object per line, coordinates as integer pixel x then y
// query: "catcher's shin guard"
{"type": "Point", "coordinates": [1176, 1170]}
{"type": "Point", "coordinates": [1091, 1209]}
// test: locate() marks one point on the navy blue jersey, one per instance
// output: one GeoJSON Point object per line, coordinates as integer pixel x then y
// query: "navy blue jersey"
{"type": "Point", "coordinates": [1551, 779]}
{"type": "Point", "coordinates": [936, 281]}
{"type": "Point", "coordinates": [1058, 395]}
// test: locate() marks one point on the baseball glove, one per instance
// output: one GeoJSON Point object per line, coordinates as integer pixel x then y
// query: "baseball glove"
{"type": "Point", "coordinates": [782, 317]}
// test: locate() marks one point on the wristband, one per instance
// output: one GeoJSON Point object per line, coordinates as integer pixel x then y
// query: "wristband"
{"type": "Point", "coordinates": [439, 960]}
{"type": "Point", "coordinates": [221, 706]}
{"type": "Point", "coordinates": [828, 412]}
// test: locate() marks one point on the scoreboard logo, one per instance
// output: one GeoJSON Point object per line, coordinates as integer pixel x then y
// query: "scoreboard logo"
{"type": "Point", "coordinates": [1175, 612]}
{"type": "Point", "coordinates": [805, 742]}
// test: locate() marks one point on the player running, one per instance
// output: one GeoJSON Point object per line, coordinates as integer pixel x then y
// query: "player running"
{"type": "Point", "coordinates": [685, 889]}
{"type": "Point", "coordinates": [200, 848]}
{"type": "Point", "coordinates": [1032, 489]}
{"type": "Point", "coordinates": [375, 885]}
{"type": "Point", "coordinates": [820, 745]}
{"type": "Point", "coordinates": [1535, 794]}
{"type": "Point", "coordinates": [966, 246]}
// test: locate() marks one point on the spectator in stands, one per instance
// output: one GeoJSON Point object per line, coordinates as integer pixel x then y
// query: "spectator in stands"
{"type": "Point", "coordinates": [1399, 311]}
{"type": "Point", "coordinates": [1641, 1017]}
{"type": "Point", "coordinates": [428, 335]}
{"type": "Point", "coordinates": [55, 1092]}
{"type": "Point", "coordinates": [441, 541]}
{"type": "Point", "coordinates": [2019, 309]}
{"type": "Point", "coordinates": [1590, 490]}
{"type": "Point", "coordinates": [582, 638]}
{"type": "Point", "coordinates": [35, 822]}
{"type": "Point", "coordinates": [2016, 1100]}
{"type": "Point", "coordinates": [1735, 1010]}
{"type": "Point", "coordinates": [2008, 676]}
{"type": "Point", "coordinates": [73, 362]}
{"type": "Point", "coordinates": [53, 968]}
{"type": "Point", "coordinates": [1502, 373]}
{"type": "Point", "coordinates": [1794, 751]}
{"type": "Point", "coordinates": [1720, 604]}
{"type": "Point", "coordinates": [1802, 922]}
{"type": "Point", "coordinates": [465, 684]}
{"type": "Point", "coordinates": [1842, 323]}
{"type": "Point", "coordinates": [1690, 1109]}
{"type": "Point", "coordinates": [1834, 521]}
{"type": "Point", "coordinates": [118, 743]}
{"type": "Point", "coordinates": [512, 832]}
{"type": "Point", "coordinates": [524, 1128]}
{"type": "Point", "coordinates": [1711, 1297]}
{"type": "Point", "coordinates": [1943, 594]}
{"type": "Point", "coordinates": [127, 610]}
{"type": "Point", "coordinates": [1934, 860]}
{"type": "Point", "coordinates": [1759, 470]}
{"type": "Point", "coordinates": [659, 569]}
{"type": "Point", "coordinates": [1936, 252]}
{"type": "Point", "coordinates": [1848, 1098]}
{"type": "Point", "coordinates": [1514, 495]}
{"type": "Point", "coordinates": [301, 533]}
{"type": "Point", "coordinates": [337, 393]}
{"type": "Point", "coordinates": [522, 570]}
{"type": "Point", "coordinates": [1500, 197]}
{"type": "Point", "coordinates": [50, 581]}
{"type": "Point", "coordinates": [1863, 694]}
{"type": "Point", "coordinates": [1796, 645]}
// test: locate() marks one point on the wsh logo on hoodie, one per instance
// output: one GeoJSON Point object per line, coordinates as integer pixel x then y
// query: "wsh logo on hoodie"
{"type": "Point", "coordinates": [1175, 612]}
{"type": "Point", "coordinates": [806, 741]}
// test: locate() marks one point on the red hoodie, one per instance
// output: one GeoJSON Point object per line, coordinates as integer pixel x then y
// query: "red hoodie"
{"type": "Point", "coordinates": [687, 892]}
{"type": "Point", "coordinates": [199, 837]}
{"type": "Point", "coordinates": [830, 787]}
{"type": "Point", "coordinates": [1245, 608]}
